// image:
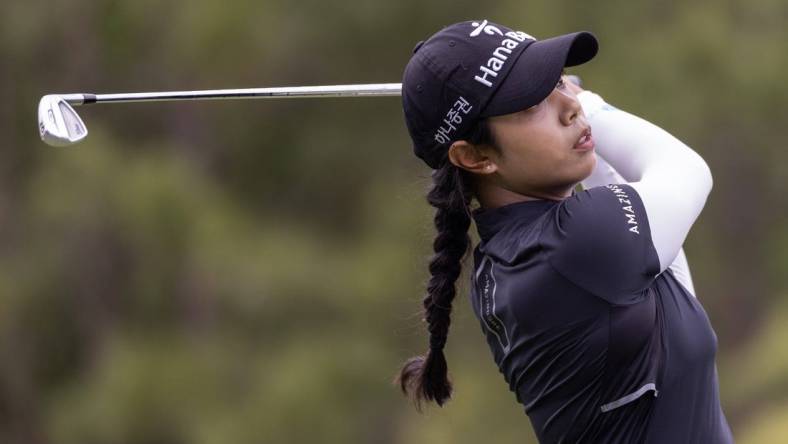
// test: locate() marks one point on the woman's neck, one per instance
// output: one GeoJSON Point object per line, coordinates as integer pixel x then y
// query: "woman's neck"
{"type": "Point", "coordinates": [494, 196]}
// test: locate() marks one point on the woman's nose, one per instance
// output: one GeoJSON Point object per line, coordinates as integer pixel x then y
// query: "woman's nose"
{"type": "Point", "coordinates": [570, 107]}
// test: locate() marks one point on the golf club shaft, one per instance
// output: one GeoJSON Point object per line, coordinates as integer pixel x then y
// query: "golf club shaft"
{"type": "Point", "coordinates": [361, 90]}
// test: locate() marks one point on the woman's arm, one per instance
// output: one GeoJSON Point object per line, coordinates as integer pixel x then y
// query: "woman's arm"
{"type": "Point", "coordinates": [672, 180]}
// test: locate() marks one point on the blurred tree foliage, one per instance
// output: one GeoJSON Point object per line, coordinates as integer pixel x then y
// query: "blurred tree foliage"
{"type": "Point", "coordinates": [253, 271]}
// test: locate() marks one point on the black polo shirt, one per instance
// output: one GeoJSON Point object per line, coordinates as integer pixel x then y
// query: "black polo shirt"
{"type": "Point", "coordinates": [595, 342]}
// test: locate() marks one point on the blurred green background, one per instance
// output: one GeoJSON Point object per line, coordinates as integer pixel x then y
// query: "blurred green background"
{"type": "Point", "coordinates": [252, 271]}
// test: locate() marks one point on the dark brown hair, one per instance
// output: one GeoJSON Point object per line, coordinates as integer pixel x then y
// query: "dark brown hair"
{"type": "Point", "coordinates": [426, 377]}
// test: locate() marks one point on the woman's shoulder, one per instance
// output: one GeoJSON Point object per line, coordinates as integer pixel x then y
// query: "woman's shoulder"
{"type": "Point", "coordinates": [600, 239]}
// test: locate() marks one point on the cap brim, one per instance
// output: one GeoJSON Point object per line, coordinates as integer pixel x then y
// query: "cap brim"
{"type": "Point", "coordinates": [537, 70]}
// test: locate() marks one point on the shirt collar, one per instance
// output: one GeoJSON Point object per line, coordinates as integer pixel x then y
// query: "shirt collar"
{"type": "Point", "coordinates": [492, 220]}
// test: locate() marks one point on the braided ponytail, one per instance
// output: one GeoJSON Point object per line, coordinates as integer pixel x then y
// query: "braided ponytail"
{"type": "Point", "coordinates": [425, 377]}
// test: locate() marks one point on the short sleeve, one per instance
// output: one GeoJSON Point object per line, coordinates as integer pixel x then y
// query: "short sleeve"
{"type": "Point", "coordinates": [600, 240]}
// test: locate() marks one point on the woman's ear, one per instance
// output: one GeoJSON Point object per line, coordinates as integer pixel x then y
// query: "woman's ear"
{"type": "Point", "coordinates": [471, 158]}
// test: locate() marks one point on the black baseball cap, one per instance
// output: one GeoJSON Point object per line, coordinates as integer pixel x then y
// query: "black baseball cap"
{"type": "Point", "coordinates": [476, 69]}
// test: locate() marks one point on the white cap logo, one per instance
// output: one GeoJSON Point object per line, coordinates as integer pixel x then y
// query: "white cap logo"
{"type": "Point", "coordinates": [488, 29]}
{"type": "Point", "coordinates": [489, 71]}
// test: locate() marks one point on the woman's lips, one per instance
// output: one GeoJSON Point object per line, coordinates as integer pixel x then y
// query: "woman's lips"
{"type": "Point", "coordinates": [586, 141]}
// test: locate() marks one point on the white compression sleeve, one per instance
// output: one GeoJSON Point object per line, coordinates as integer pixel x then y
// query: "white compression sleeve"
{"type": "Point", "coordinates": [672, 180]}
{"type": "Point", "coordinates": [604, 174]}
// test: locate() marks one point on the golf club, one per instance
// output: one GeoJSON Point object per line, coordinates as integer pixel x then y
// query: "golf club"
{"type": "Point", "coordinates": [60, 125]}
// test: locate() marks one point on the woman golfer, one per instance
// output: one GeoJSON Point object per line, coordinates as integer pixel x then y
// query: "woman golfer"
{"type": "Point", "coordinates": [585, 298]}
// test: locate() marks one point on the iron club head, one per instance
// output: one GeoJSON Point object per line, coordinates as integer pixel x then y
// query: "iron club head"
{"type": "Point", "coordinates": [58, 123]}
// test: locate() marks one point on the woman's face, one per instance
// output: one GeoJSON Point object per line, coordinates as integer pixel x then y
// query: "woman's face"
{"type": "Point", "coordinates": [537, 146]}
